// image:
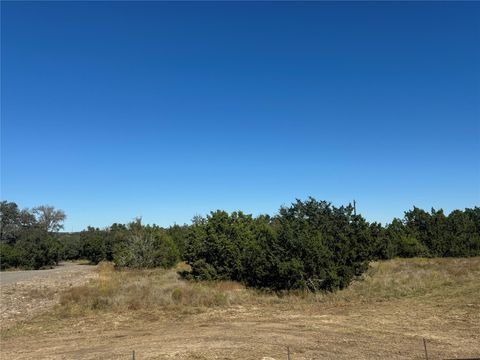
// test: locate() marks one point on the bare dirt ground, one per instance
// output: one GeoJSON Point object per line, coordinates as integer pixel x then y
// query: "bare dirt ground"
{"type": "Point", "coordinates": [385, 316]}
{"type": "Point", "coordinates": [25, 294]}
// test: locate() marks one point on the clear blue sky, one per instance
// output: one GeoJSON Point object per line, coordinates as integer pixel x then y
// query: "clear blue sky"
{"type": "Point", "coordinates": [164, 110]}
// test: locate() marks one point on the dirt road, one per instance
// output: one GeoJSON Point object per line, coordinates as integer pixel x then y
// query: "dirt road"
{"type": "Point", "coordinates": [67, 268]}
{"type": "Point", "coordinates": [24, 294]}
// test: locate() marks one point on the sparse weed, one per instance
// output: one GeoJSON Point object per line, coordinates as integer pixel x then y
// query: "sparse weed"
{"type": "Point", "coordinates": [158, 289]}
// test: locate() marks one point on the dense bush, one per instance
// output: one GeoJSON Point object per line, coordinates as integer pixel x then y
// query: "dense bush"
{"type": "Point", "coordinates": [146, 250]}
{"type": "Point", "coordinates": [71, 245]}
{"type": "Point", "coordinates": [178, 233]}
{"type": "Point", "coordinates": [34, 250]}
{"type": "Point", "coordinates": [9, 255]}
{"type": "Point", "coordinates": [132, 245]}
{"type": "Point", "coordinates": [314, 245]}
{"type": "Point", "coordinates": [434, 234]}
{"type": "Point", "coordinates": [409, 246]}
{"type": "Point", "coordinates": [310, 245]}
{"type": "Point", "coordinates": [94, 245]}
{"type": "Point", "coordinates": [26, 236]}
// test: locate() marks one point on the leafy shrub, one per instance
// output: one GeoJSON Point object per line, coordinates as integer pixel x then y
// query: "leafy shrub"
{"type": "Point", "coordinates": [26, 236]}
{"type": "Point", "coordinates": [9, 256]}
{"type": "Point", "coordinates": [146, 251]}
{"type": "Point", "coordinates": [132, 245]}
{"type": "Point", "coordinates": [36, 251]}
{"type": "Point", "coordinates": [310, 245]}
{"type": "Point", "coordinates": [94, 245]}
{"type": "Point", "coordinates": [201, 270]}
{"type": "Point", "coordinates": [409, 246]}
{"type": "Point", "coordinates": [71, 246]}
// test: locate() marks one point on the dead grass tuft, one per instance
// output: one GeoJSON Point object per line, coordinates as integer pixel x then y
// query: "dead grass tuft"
{"type": "Point", "coordinates": [40, 293]}
{"type": "Point", "coordinates": [159, 289]}
{"type": "Point", "coordinates": [383, 315]}
{"type": "Point", "coordinates": [412, 278]}
{"type": "Point", "coordinates": [120, 290]}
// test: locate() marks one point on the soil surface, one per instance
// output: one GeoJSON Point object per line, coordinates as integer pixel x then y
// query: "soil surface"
{"type": "Point", "coordinates": [366, 327]}
{"type": "Point", "coordinates": [66, 268]}
{"type": "Point", "coordinates": [24, 294]}
{"type": "Point", "coordinates": [392, 330]}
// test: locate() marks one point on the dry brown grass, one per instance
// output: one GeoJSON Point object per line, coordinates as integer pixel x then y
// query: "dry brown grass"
{"type": "Point", "coordinates": [383, 315]}
{"type": "Point", "coordinates": [164, 289]}
{"type": "Point", "coordinates": [154, 289]}
{"type": "Point", "coordinates": [412, 278]}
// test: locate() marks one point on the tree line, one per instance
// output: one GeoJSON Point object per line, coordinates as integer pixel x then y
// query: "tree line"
{"type": "Point", "coordinates": [308, 245]}
{"type": "Point", "coordinates": [27, 237]}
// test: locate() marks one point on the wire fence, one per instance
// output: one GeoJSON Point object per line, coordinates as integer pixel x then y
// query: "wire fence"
{"type": "Point", "coordinates": [289, 355]}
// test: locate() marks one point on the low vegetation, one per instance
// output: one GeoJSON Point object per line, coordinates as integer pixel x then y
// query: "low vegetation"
{"type": "Point", "coordinates": [385, 313]}
{"type": "Point", "coordinates": [147, 289]}
{"type": "Point", "coordinates": [313, 245]}
{"type": "Point", "coordinates": [160, 289]}
{"type": "Point", "coordinates": [308, 246]}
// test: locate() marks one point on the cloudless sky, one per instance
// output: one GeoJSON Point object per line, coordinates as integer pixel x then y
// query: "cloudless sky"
{"type": "Point", "coordinates": [112, 110]}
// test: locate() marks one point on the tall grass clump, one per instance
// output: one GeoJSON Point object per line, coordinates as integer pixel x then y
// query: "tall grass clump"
{"type": "Point", "coordinates": [147, 289]}
{"type": "Point", "coordinates": [150, 290]}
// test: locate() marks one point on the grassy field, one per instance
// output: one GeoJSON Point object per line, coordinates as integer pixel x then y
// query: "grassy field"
{"type": "Point", "coordinates": [386, 314]}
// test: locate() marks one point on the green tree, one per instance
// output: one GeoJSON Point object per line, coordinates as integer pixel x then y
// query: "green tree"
{"type": "Point", "coordinates": [49, 218]}
{"type": "Point", "coordinates": [94, 244]}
